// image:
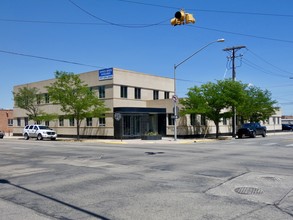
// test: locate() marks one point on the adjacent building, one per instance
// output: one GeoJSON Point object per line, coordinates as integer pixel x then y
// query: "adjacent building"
{"type": "Point", "coordinates": [6, 121]}
{"type": "Point", "coordinates": [139, 103]}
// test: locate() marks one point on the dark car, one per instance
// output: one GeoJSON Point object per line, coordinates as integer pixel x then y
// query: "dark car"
{"type": "Point", "coordinates": [287, 127]}
{"type": "Point", "coordinates": [251, 130]}
{"type": "Point", "coordinates": [1, 134]}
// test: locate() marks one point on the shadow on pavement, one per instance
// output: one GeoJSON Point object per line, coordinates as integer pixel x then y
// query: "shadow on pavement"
{"type": "Point", "coordinates": [4, 181]}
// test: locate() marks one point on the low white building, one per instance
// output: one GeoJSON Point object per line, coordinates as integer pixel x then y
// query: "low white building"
{"type": "Point", "coordinates": [138, 103]}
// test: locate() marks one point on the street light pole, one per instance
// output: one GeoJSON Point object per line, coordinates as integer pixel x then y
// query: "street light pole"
{"type": "Point", "coordinates": [175, 99]}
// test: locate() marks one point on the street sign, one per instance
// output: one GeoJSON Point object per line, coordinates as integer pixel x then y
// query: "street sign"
{"type": "Point", "coordinates": [175, 98]}
{"type": "Point", "coordinates": [117, 116]}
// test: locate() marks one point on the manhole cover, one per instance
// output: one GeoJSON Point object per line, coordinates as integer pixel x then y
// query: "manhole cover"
{"type": "Point", "coordinates": [248, 190]}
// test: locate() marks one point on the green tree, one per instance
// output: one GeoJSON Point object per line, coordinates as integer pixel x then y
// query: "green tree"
{"type": "Point", "coordinates": [75, 98]}
{"type": "Point", "coordinates": [214, 100]}
{"type": "Point", "coordinates": [258, 105]}
{"type": "Point", "coordinates": [27, 98]}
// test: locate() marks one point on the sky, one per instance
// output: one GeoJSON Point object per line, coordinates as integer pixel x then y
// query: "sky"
{"type": "Point", "coordinates": [41, 37]}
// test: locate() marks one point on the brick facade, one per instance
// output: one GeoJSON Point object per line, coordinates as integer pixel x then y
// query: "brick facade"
{"type": "Point", "coordinates": [6, 121]}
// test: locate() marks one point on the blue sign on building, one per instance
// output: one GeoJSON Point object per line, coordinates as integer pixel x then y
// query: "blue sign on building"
{"type": "Point", "coordinates": [105, 74]}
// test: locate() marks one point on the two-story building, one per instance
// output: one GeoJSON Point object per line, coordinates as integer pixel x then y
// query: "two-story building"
{"type": "Point", "coordinates": [139, 103]}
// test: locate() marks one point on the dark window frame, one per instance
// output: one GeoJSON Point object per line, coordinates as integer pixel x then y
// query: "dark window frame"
{"type": "Point", "coordinates": [167, 95]}
{"type": "Point", "coordinates": [102, 92]}
{"type": "Point", "coordinates": [171, 119]}
{"type": "Point", "coordinates": [89, 122]}
{"type": "Point", "coordinates": [123, 91]}
{"type": "Point", "coordinates": [155, 94]}
{"type": "Point", "coordinates": [137, 93]}
{"type": "Point", "coordinates": [102, 121]}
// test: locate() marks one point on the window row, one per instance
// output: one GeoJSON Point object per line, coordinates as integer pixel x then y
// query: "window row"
{"type": "Point", "coordinates": [45, 98]}
{"type": "Point", "coordinates": [62, 122]}
{"type": "Point", "coordinates": [137, 93]}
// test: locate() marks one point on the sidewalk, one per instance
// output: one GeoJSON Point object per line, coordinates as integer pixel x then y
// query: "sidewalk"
{"type": "Point", "coordinates": [164, 140]}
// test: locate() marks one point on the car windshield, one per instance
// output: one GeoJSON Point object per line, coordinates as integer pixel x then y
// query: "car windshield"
{"type": "Point", "coordinates": [247, 126]}
{"type": "Point", "coordinates": [43, 127]}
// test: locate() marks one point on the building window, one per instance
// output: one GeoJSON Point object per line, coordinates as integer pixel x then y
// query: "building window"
{"type": "Point", "coordinates": [171, 119]}
{"type": "Point", "coordinates": [137, 93]}
{"type": "Point", "coordinates": [18, 121]}
{"type": "Point", "coordinates": [25, 121]}
{"type": "Point", "coordinates": [193, 119]}
{"type": "Point", "coordinates": [224, 121]}
{"type": "Point", "coordinates": [71, 122]}
{"type": "Point", "coordinates": [61, 121]}
{"type": "Point", "coordinates": [47, 99]}
{"type": "Point", "coordinates": [89, 122]}
{"type": "Point", "coordinates": [102, 121]}
{"type": "Point", "coordinates": [39, 99]}
{"type": "Point", "coordinates": [10, 122]}
{"type": "Point", "coordinates": [167, 95]}
{"type": "Point", "coordinates": [102, 93]}
{"type": "Point", "coordinates": [47, 123]}
{"type": "Point", "coordinates": [123, 91]}
{"type": "Point", "coordinates": [155, 94]}
{"type": "Point", "coordinates": [203, 120]}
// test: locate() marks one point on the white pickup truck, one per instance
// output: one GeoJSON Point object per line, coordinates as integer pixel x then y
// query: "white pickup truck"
{"type": "Point", "coordinates": [39, 131]}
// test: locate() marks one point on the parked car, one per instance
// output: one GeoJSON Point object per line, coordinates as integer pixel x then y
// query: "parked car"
{"type": "Point", "coordinates": [1, 134]}
{"type": "Point", "coordinates": [39, 131]}
{"type": "Point", "coordinates": [251, 130]}
{"type": "Point", "coordinates": [287, 127]}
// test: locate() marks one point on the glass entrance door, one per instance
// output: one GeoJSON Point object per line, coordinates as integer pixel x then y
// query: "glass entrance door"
{"type": "Point", "coordinates": [132, 125]}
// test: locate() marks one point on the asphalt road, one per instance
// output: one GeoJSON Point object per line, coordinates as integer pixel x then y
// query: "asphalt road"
{"type": "Point", "coordinates": [228, 179]}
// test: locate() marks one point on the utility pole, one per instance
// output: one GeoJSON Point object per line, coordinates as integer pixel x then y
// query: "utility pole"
{"type": "Point", "coordinates": [233, 56]}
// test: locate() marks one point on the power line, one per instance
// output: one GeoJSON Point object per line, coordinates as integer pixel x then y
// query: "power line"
{"type": "Point", "coordinates": [212, 11]}
{"type": "Point", "coordinates": [116, 24]}
{"type": "Point", "coordinates": [241, 34]}
{"type": "Point", "coordinates": [50, 22]}
{"type": "Point", "coordinates": [257, 67]}
{"type": "Point", "coordinates": [46, 58]}
{"type": "Point", "coordinates": [83, 23]}
{"type": "Point", "coordinates": [143, 26]}
{"type": "Point", "coordinates": [269, 63]}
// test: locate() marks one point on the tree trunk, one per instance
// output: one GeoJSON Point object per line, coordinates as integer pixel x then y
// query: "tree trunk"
{"type": "Point", "coordinates": [77, 128]}
{"type": "Point", "coordinates": [217, 129]}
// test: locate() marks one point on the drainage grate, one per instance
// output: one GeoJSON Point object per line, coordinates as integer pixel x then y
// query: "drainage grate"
{"type": "Point", "coordinates": [248, 190]}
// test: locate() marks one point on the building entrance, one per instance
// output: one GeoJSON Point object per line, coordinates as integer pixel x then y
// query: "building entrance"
{"type": "Point", "coordinates": [136, 122]}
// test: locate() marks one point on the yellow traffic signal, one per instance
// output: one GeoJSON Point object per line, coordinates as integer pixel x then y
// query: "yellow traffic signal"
{"type": "Point", "coordinates": [189, 18]}
{"type": "Point", "coordinates": [182, 18]}
{"type": "Point", "coordinates": [180, 15]}
{"type": "Point", "coordinates": [175, 21]}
